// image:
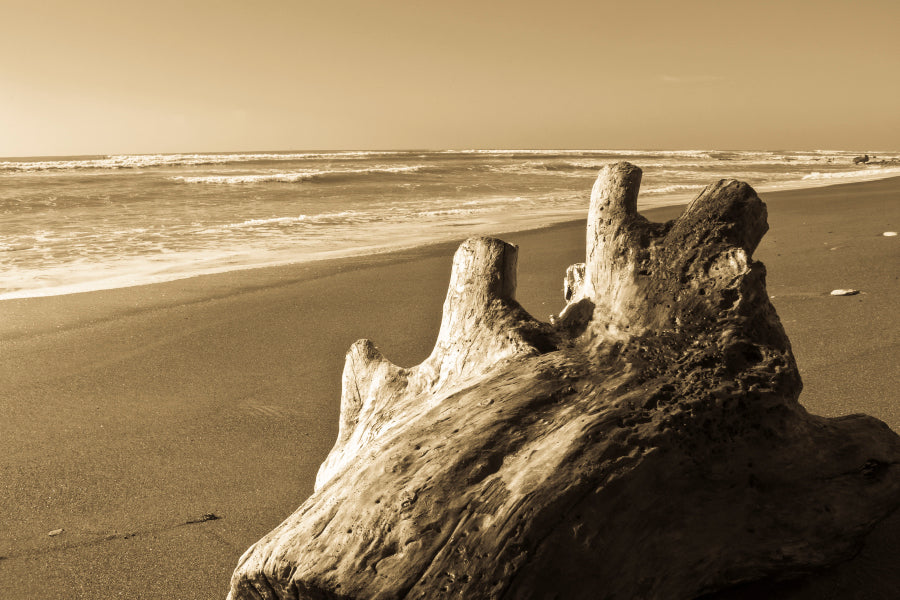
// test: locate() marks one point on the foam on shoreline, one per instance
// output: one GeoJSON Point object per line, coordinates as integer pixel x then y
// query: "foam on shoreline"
{"type": "Point", "coordinates": [66, 258]}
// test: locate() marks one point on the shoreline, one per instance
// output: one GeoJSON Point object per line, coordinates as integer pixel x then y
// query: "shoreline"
{"type": "Point", "coordinates": [134, 412]}
{"type": "Point", "coordinates": [23, 313]}
{"type": "Point", "coordinates": [179, 272]}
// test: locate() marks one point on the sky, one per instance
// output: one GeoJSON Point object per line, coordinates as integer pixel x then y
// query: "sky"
{"type": "Point", "coordinates": [113, 77]}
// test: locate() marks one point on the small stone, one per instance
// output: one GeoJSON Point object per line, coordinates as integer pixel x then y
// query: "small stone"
{"type": "Point", "coordinates": [55, 532]}
{"type": "Point", "coordinates": [844, 292]}
{"type": "Point", "coordinates": [204, 518]}
{"type": "Point", "coordinates": [889, 234]}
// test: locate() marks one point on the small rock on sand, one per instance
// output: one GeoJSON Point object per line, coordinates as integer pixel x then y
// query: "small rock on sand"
{"type": "Point", "coordinates": [889, 234]}
{"type": "Point", "coordinates": [844, 292]}
{"type": "Point", "coordinates": [55, 532]}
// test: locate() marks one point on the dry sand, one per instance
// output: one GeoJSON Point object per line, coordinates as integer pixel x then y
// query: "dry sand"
{"type": "Point", "coordinates": [129, 416]}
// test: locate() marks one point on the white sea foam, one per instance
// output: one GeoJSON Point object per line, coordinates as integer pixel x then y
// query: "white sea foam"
{"type": "Point", "coordinates": [138, 229]}
{"type": "Point", "coordinates": [578, 164]}
{"type": "Point", "coordinates": [130, 231]}
{"type": "Point", "coordinates": [661, 153]}
{"type": "Point", "coordinates": [348, 217]}
{"type": "Point", "coordinates": [296, 176]}
{"type": "Point", "coordinates": [337, 217]}
{"type": "Point", "coordinates": [447, 212]}
{"type": "Point", "coordinates": [876, 173]}
{"type": "Point", "coordinates": [133, 161]}
{"type": "Point", "coordinates": [671, 189]}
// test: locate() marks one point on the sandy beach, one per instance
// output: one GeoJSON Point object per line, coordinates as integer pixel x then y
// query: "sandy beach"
{"type": "Point", "coordinates": [165, 428]}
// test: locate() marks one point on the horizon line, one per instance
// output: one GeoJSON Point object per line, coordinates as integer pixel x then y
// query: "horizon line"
{"type": "Point", "coordinates": [432, 150]}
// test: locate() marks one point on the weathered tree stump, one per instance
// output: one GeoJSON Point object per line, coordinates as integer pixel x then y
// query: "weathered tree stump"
{"type": "Point", "coordinates": [647, 444]}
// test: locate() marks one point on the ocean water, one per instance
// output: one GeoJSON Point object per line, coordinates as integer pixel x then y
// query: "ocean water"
{"type": "Point", "coordinates": [73, 224]}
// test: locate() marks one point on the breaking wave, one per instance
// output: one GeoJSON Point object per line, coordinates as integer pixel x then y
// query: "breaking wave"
{"type": "Point", "coordinates": [347, 217]}
{"type": "Point", "coordinates": [300, 176]}
{"type": "Point", "coordinates": [554, 160]}
{"type": "Point", "coordinates": [672, 189]}
{"type": "Point", "coordinates": [83, 222]}
{"type": "Point", "coordinates": [137, 161]}
{"type": "Point", "coordinates": [584, 153]}
{"type": "Point", "coordinates": [862, 173]}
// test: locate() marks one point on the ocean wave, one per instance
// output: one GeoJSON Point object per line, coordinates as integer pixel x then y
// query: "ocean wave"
{"type": "Point", "coordinates": [671, 189]}
{"type": "Point", "coordinates": [135, 161]}
{"type": "Point", "coordinates": [583, 169]}
{"type": "Point", "coordinates": [561, 152]}
{"type": "Point", "coordinates": [347, 217]}
{"type": "Point", "coordinates": [15, 246]}
{"type": "Point", "coordinates": [567, 165]}
{"type": "Point", "coordinates": [446, 212]}
{"type": "Point", "coordinates": [861, 173]}
{"type": "Point", "coordinates": [568, 168]}
{"type": "Point", "coordinates": [299, 176]}
{"type": "Point", "coordinates": [735, 163]}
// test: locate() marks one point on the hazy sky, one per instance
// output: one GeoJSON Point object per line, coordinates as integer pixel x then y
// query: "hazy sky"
{"type": "Point", "coordinates": [98, 77]}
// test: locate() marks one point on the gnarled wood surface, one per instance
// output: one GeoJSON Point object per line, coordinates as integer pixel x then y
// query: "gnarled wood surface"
{"type": "Point", "coordinates": [647, 444]}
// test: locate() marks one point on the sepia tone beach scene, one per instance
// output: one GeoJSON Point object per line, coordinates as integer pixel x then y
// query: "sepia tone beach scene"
{"type": "Point", "coordinates": [191, 248]}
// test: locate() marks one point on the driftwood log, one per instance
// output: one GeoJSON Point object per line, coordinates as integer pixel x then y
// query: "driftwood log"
{"type": "Point", "coordinates": [647, 443]}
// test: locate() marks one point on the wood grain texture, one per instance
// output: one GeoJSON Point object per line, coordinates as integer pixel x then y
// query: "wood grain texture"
{"type": "Point", "coordinates": [646, 444]}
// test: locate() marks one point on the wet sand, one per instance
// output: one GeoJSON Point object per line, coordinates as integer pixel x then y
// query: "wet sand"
{"type": "Point", "coordinates": [165, 428]}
